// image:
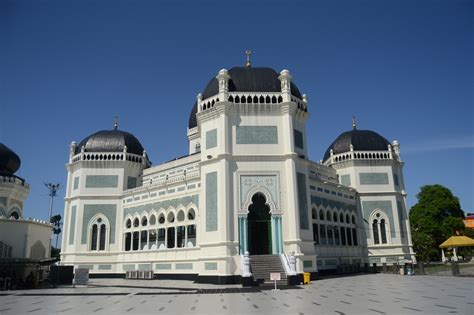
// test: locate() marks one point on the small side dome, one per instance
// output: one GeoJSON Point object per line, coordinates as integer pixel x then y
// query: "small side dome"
{"type": "Point", "coordinates": [111, 141]}
{"type": "Point", "coordinates": [361, 140]}
{"type": "Point", "coordinates": [9, 161]}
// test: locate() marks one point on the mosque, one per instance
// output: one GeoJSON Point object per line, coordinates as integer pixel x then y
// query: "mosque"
{"type": "Point", "coordinates": [247, 185]}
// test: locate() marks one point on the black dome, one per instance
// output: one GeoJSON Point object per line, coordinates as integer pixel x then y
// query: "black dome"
{"type": "Point", "coordinates": [110, 141]}
{"type": "Point", "coordinates": [243, 79]}
{"type": "Point", "coordinates": [9, 161]}
{"type": "Point", "coordinates": [361, 140]}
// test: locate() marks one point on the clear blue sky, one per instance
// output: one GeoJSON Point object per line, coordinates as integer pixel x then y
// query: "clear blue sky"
{"type": "Point", "coordinates": [404, 68]}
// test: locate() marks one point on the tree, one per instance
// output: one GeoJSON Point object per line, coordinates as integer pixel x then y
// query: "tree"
{"type": "Point", "coordinates": [56, 221]}
{"type": "Point", "coordinates": [437, 215]}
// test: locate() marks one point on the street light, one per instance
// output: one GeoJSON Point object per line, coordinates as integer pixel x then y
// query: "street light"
{"type": "Point", "coordinates": [53, 189]}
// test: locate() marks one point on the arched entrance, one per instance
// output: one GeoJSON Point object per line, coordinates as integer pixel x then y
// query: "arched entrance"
{"type": "Point", "coordinates": [259, 226]}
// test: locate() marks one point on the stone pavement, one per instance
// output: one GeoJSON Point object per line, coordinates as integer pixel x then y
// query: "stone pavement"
{"type": "Point", "coordinates": [357, 294]}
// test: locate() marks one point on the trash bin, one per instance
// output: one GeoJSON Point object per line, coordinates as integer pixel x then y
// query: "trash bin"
{"type": "Point", "coordinates": [306, 278]}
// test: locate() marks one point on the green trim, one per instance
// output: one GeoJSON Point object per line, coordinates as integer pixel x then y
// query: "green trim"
{"type": "Point", "coordinates": [302, 201]}
{"type": "Point", "coordinates": [72, 225]}
{"type": "Point", "coordinates": [163, 266]}
{"type": "Point", "coordinates": [256, 135]}
{"type": "Point", "coordinates": [298, 138]}
{"type": "Point", "coordinates": [211, 139]}
{"type": "Point", "coordinates": [373, 178]}
{"type": "Point", "coordinates": [182, 266]}
{"type": "Point", "coordinates": [105, 267]}
{"type": "Point", "coordinates": [211, 202]}
{"type": "Point", "coordinates": [76, 183]}
{"type": "Point", "coordinates": [101, 181]}
{"type": "Point", "coordinates": [210, 266]}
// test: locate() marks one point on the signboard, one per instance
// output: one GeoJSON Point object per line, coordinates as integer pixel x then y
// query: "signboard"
{"type": "Point", "coordinates": [81, 276]}
{"type": "Point", "coordinates": [275, 276]}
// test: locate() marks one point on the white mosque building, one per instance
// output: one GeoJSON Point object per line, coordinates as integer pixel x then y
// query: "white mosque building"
{"type": "Point", "coordinates": [21, 238]}
{"type": "Point", "coordinates": [247, 185]}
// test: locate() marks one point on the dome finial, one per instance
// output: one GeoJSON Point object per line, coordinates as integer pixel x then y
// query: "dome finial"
{"type": "Point", "coordinates": [116, 122]}
{"type": "Point", "coordinates": [247, 64]}
{"type": "Point", "coordinates": [354, 126]}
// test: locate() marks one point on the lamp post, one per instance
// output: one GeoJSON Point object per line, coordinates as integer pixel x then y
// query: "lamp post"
{"type": "Point", "coordinates": [53, 189]}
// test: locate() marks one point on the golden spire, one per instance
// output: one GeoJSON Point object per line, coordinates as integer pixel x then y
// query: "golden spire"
{"type": "Point", "coordinates": [115, 122]}
{"type": "Point", "coordinates": [247, 64]}
{"type": "Point", "coordinates": [353, 123]}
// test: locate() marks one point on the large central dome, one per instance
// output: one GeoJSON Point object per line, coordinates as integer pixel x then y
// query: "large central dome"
{"type": "Point", "coordinates": [245, 79]}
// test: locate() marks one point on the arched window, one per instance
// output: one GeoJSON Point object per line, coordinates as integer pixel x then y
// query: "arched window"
{"type": "Point", "coordinates": [144, 221]}
{"type": "Point", "coordinates": [136, 222]}
{"type": "Point", "coordinates": [334, 217]}
{"type": "Point", "coordinates": [314, 214]}
{"type": "Point", "coordinates": [328, 216]}
{"type": "Point", "coordinates": [341, 218]}
{"type": "Point", "coordinates": [383, 232]}
{"type": "Point", "coordinates": [321, 215]}
{"type": "Point", "coordinates": [152, 219]}
{"type": "Point", "coordinates": [353, 219]}
{"type": "Point", "coordinates": [348, 220]}
{"type": "Point", "coordinates": [161, 219]}
{"type": "Point", "coordinates": [180, 215]}
{"type": "Point", "coordinates": [103, 234]}
{"type": "Point", "coordinates": [14, 215]}
{"type": "Point", "coordinates": [98, 233]}
{"type": "Point", "coordinates": [94, 237]}
{"type": "Point", "coordinates": [128, 224]}
{"type": "Point", "coordinates": [191, 214]}
{"type": "Point", "coordinates": [170, 217]}
{"type": "Point", "coordinates": [380, 228]}
{"type": "Point", "coordinates": [375, 230]}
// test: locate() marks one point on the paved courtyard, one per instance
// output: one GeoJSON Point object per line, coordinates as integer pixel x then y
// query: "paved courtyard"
{"type": "Point", "coordinates": [358, 294]}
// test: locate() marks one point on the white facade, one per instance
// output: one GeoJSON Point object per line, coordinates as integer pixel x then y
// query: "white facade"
{"type": "Point", "coordinates": [20, 237]}
{"type": "Point", "coordinates": [247, 185]}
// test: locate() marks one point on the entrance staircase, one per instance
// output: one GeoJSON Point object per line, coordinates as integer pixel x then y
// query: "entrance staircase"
{"type": "Point", "coordinates": [262, 265]}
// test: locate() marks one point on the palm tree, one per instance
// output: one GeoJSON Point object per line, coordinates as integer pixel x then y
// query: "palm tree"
{"type": "Point", "coordinates": [56, 221]}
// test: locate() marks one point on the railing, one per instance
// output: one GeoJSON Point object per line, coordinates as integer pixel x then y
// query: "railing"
{"type": "Point", "coordinates": [362, 155]}
{"type": "Point", "coordinates": [152, 183]}
{"type": "Point", "coordinates": [108, 156]}
{"type": "Point", "coordinates": [13, 180]}
{"type": "Point", "coordinates": [250, 98]}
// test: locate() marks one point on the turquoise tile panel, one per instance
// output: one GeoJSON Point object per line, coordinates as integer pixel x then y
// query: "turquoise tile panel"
{"type": "Point", "coordinates": [108, 210]}
{"type": "Point", "coordinates": [76, 183]}
{"type": "Point", "coordinates": [72, 225]}
{"type": "Point", "coordinates": [316, 200]}
{"type": "Point", "coordinates": [131, 182]}
{"type": "Point", "coordinates": [210, 266]}
{"type": "Point", "coordinates": [346, 180]}
{"type": "Point", "coordinates": [184, 266]}
{"type": "Point", "coordinates": [163, 266]}
{"type": "Point", "coordinates": [211, 202]}
{"type": "Point", "coordinates": [130, 267]}
{"type": "Point", "coordinates": [302, 201]}
{"type": "Point", "coordinates": [307, 263]}
{"type": "Point", "coordinates": [211, 139]}
{"type": "Point", "coordinates": [298, 138]}
{"type": "Point", "coordinates": [257, 135]}
{"type": "Point", "coordinates": [373, 178]}
{"type": "Point", "coordinates": [102, 181]}
{"type": "Point", "coordinates": [105, 267]}
{"type": "Point", "coordinates": [145, 267]}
